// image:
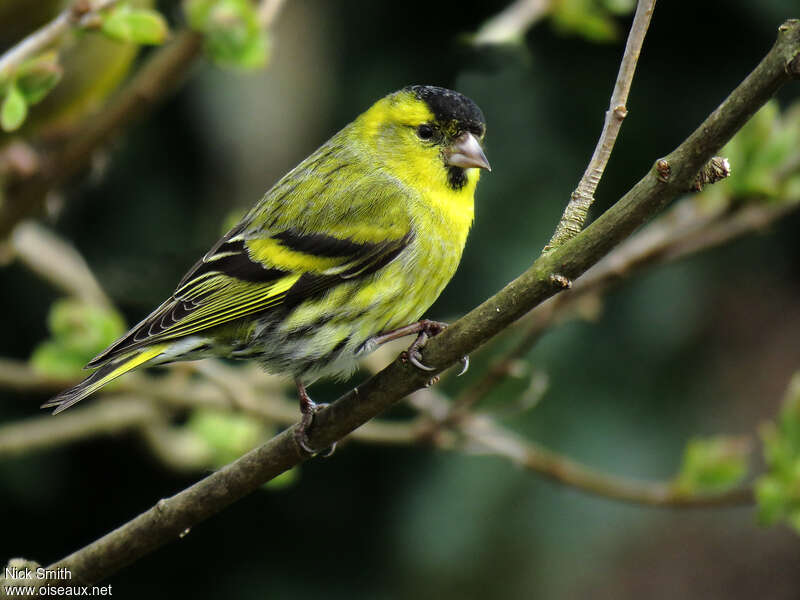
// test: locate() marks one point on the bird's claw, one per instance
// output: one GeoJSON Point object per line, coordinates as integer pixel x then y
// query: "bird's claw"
{"type": "Point", "coordinates": [301, 431]}
{"type": "Point", "coordinates": [413, 354]}
{"type": "Point", "coordinates": [414, 357]}
{"type": "Point", "coordinates": [464, 365]}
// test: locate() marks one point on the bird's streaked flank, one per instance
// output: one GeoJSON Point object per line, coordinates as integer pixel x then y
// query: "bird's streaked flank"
{"type": "Point", "coordinates": [345, 252]}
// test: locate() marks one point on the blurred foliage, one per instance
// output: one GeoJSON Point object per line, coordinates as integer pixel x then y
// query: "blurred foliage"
{"type": "Point", "coordinates": [37, 76]}
{"type": "Point", "coordinates": [227, 436]}
{"type": "Point", "coordinates": [92, 64]}
{"type": "Point", "coordinates": [14, 108]}
{"type": "Point", "coordinates": [233, 35]}
{"type": "Point", "coordinates": [78, 332]}
{"type": "Point", "coordinates": [140, 26]}
{"type": "Point", "coordinates": [713, 464]}
{"type": "Point", "coordinates": [591, 19]}
{"type": "Point", "coordinates": [765, 158]}
{"type": "Point", "coordinates": [778, 491]}
{"type": "Point", "coordinates": [684, 348]}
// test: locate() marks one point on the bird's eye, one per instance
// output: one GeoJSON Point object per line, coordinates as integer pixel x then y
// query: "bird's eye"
{"type": "Point", "coordinates": [425, 132]}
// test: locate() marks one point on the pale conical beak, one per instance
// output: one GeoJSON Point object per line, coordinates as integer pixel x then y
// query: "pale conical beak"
{"type": "Point", "coordinates": [466, 152]}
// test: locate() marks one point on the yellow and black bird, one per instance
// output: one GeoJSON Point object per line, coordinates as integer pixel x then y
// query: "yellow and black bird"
{"type": "Point", "coordinates": [345, 252]}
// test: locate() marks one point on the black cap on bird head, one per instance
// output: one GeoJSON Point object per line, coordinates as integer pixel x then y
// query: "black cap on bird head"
{"type": "Point", "coordinates": [447, 105]}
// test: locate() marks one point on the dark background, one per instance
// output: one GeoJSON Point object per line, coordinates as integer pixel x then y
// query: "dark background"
{"type": "Point", "coordinates": [700, 347]}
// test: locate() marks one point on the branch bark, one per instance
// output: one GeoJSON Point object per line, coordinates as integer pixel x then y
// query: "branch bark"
{"type": "Point", "coordinates": [687, 228]}
{"type": "Point", "coordinates": [671, 176]}
{"type": "Point", "coordinates": [496, 441]}
{"type": "Point", "coordinates": [583, 197]}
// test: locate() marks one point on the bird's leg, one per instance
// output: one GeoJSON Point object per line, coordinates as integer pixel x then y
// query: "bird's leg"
{"type": "Point", "coordinates": [424, 329]}
{"type": "Point", "coordinates": [307, 410]}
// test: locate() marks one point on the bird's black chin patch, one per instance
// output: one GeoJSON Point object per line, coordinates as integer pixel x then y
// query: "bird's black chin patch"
{"type": "Point", "coordinates": [456, 177]}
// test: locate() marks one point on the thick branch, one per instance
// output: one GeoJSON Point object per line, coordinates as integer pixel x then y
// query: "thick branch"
{"type": "Point", "coordinates": [582, 198]}
{"type": "Point", "coordinates": [686, 229]}
{"type": "Point", "coordinates": [169, 518]}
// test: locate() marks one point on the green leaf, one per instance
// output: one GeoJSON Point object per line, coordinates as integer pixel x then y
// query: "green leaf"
{"type": "Point", "coordinates": [51, 358]}
{"type": "Point", "coordinates": [229, 435]}
{"type": "Point", "coordinates": [233, 35]}
{"type": "Point", "coordinates": [778, 490]}
{"type": "Point", "coordinates": [713, 464]}
{"type": "Point", "coordinates": [197, 12]}
{"type": "Point", "coordinates": [770, 499]}
{"type": "Point", "coordinates": [762, 154]}
{"type": "Point", "coordinates": [587, 18]}
{"type": "Point", "coordinates": [140, 26]}
{"type": "Point", "coordinates": [14, 109]}
{"type": "Point", "coordinates": [78, 332]}
{"type": "Point", "coordinates": [38, 76]}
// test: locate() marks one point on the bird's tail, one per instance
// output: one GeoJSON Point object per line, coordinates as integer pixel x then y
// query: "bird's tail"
{"type": "Point", "coordinates": [102, 376]}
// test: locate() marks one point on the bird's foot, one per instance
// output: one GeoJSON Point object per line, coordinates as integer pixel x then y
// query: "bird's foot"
{"type": "Point", "coordinates": [425, 329]}
{"type": "Point", "coordinates": [308, 408]}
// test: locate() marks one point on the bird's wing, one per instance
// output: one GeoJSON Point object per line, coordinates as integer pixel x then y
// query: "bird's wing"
{"type": "Point", "coordinates": [252, 270]}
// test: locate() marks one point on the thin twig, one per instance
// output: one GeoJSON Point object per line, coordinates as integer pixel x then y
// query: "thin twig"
{"type": "Point", "coordinates": [170, 518]}
{"type": "Point", "coordinates": [268, 11]}
{"type": "Point", "coordinates": [179, 393]}
{"type": "Point", "coordinates": [490, 438]}
{"type": "Point", "coordinates": [102, 418]}
{"type": "Point", "coordinates": [688, 228]}
{"type": "Point", "coordinates": [582, 198]}
{"type": "Point", "coordinates": [58, 262]}
{"type": "Point", "coordinates": [79, 12]}
{"type": "Point", "coordinates": [510, 25]}
{"type": "Point", "coordinates": [159, 74]}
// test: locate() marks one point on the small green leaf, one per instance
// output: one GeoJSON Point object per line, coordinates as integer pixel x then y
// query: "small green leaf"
{"type": "Point", "coordinates": [713, 464]}
{"type": "Point", "coordinates": [14, 109]}
{"type": "Point", "coordinates": [78, 332]}
{"type": "Point", "coordinates": [141, 26]}
{"type": "Point", "coordinates": [38, 76]}
{"type": "Point", "coordinates": [587, 18]}
{"type": "Point", "coordinates": [51, 358]}
{"type": "Point", "coordinates": [233, 35]}
{"type": "Point", "coordinates": [229, 435]}
{"type": "Point", "coordinates": [83, 327]}
{"type": "Point", "coordinates": [197, 12]}
{"type": "Point", "coordinates": [770, 499]}
{"type": "Point", "coordinates": [778, 490]}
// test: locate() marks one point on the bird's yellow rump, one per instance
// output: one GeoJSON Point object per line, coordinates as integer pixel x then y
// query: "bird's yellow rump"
{"type": "Point", "coordinates": [345, 252]}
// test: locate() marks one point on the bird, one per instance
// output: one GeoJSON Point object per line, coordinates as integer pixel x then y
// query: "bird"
{"type": "Point", "coordinates": [344, 253]}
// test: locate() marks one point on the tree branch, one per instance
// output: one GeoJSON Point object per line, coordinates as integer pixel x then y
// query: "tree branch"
{"type": "Point", "coordinates": [25, 197]}
{"type": "Point", "coordinates": [582, 198]}
{"type": "Point", "coordinates": [58, 262]}
{"type": "Point", "coordinates": [492, 439]}
{"type": "Point", "coordinates": [102, 418]}
{"type": "Point", "coordinates": [512, 22]}
{"type": "Point", "coordinates": [687, 228]}
{"type": "Point", "coordinates": [673, 175]}
{"type": "Point", "coordinates": [78, 13]}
